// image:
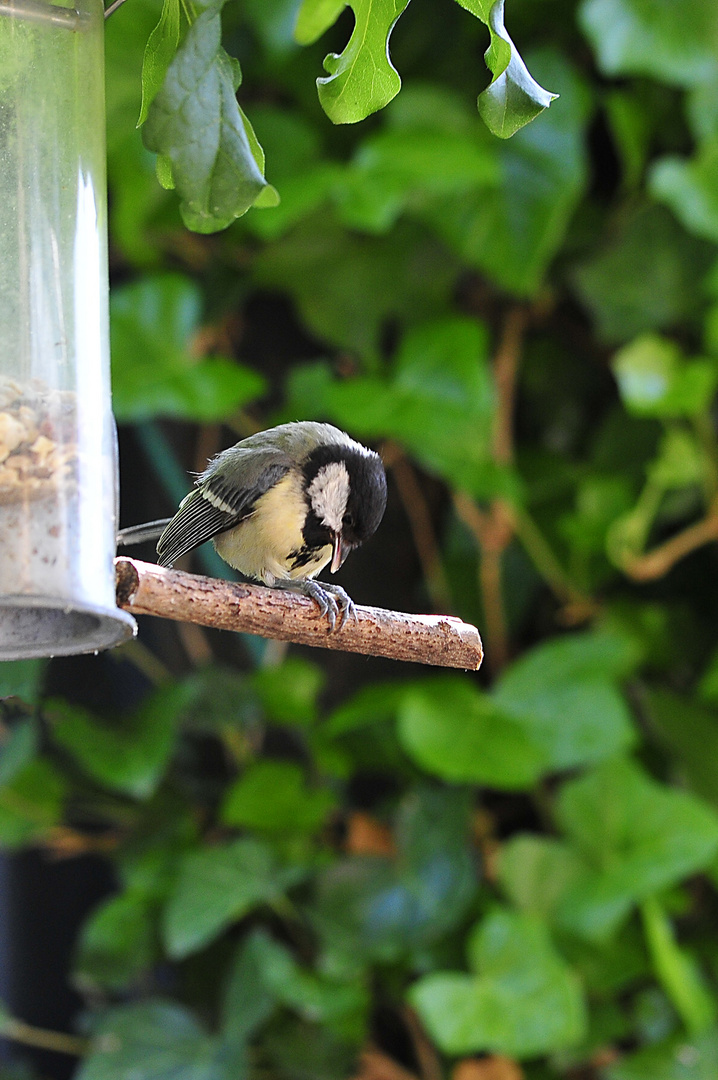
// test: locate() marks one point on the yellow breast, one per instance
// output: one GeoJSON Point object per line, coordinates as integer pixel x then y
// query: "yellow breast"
{"type": "Point", "coordinates": [260, 546]}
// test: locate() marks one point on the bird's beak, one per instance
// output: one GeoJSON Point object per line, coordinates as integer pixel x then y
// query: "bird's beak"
{"type": "Point", "coordinates": [338, 555]}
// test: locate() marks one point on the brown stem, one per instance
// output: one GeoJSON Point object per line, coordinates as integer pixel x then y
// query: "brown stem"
{"type": "Point", "coordinates": [422, 529]}
{"type": "Point", "coordinates": [28, 1035]}
{"type": "Point", "coordinates": [506, 366]}
{"type": "Point", "coordinates": [426, 1056]}
{"type": "Point", "coordinates": [492, 530]}
{"type": "Point", "coordinates": [656, 563]}
{"type": "Point", "coordinates": [146, 589]}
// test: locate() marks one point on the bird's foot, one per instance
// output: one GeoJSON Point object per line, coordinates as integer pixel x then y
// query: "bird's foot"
{"type": "Point", "coordinates": [332, 600]}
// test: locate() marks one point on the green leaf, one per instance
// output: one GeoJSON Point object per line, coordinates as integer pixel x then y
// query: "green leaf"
{"type": "Point", "coordinates": [400, 169]}
{"type": "Point", "coordinates": [266, 973]}
{"type": "Point", "coordinates": [655, 380]}
{"type": "Point", "coordinates": [536, 871]}
{"type": "Point", "coordinates": [512, 232]}
{"type": "Point", "coordinates": [522, 1000]}
{"type": "Point", "coordinates": [674, 43]}
{"type": "Point", "coordinates": [370, 705]}
{"type": "Point", "coordinates": [161, 48]}
{"type": "Point", "coordinates": [676, 970]}
{"type": "Point", "coordinates": [128, 755]}
{"type": "Point", "coordinates": [636, 836]}
{"type": "Point", "coordinates": [680, 461]}
{"type": "Point", "coordinates": [153, 370]}
{"type": "Point", "coordinates": [372, 907]}
{"type": "Point", "coordinates": [18, 746]}
{"type": "Point", "coordinates": [22, 679]}
{"type": "Point", "coordinates": [679, 1058]}
{"type": "Point", "coordinates": [31, 804]}
{"type": "Point", "coordinates": [562, 694]}
{"type": "Point", "coordinates": [157, 1040]}
{"type": "Point", "coordinates": [117, 944]}
{"type": "Point", "coordinates": [648, 276]}
{"type": "Point", "coordinates": [289, 692]}
{"type": "Point", "coordinates": [453, 731]}
{"type": "Point", "coordinates": [347, 286]}
{"type": "Point", "coordinates": [690, 189]}
{"type": "Point", "coordinates": [195, 121]}
{"type": "Point", "coordinates": [362, 78]}
{"type": "Point", "coordinates": [273, 797]}
{"type": "Point", "coordinates": [513, 97]}
{"type": "Point", "coordinates": [441, 381]}
{"type": "Point", "coordinates": [689, 731]}
{"type": "Point", "coordinates": [315, 17]}
{"type": "Point", "coordinates": [631, 131]}
{"type": "Point", "coordinates": [247, 1001]}
{"type": "Point", "coordinates": [218, 885]}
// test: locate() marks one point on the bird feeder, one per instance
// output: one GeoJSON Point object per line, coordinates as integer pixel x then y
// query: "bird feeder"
{"type": "Point", "coordinates": [58, 458]}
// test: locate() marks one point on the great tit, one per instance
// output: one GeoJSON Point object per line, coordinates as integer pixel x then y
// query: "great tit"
{"type": "Point", "coordinates": [279, 507]}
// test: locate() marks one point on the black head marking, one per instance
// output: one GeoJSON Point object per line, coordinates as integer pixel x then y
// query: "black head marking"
{"type": "Point", "coordinates": [366, 500]}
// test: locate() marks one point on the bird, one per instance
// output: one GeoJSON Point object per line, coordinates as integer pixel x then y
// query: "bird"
{"type": "Point", "coordinates": [280, 506]}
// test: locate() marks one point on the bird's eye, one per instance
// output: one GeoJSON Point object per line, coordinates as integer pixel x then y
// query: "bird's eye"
{"type": "Point", "coordinates": [347, 521]}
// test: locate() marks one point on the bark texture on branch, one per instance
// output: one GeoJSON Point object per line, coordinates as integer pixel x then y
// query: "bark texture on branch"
{"type": "Point", "coordinates": [146, 589]}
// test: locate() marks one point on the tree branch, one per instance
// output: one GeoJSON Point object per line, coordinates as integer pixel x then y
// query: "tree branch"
{"type": "Point", "coordinates": [146, 589]}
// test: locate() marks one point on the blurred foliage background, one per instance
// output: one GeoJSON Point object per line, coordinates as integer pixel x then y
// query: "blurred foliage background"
{"type": "Point", "coordinates": [309, 867]}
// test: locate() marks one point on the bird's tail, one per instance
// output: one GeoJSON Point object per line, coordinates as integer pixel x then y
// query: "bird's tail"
{"type": "Point", "coordinates": [138, 534]}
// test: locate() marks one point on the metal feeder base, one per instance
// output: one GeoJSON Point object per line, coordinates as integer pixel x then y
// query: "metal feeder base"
{"type": "Point", "coordinates": [49, 626]}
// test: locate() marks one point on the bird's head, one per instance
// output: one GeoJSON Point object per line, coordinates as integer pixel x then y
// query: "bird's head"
{"type": "Point", "coordinates": [346, 492]}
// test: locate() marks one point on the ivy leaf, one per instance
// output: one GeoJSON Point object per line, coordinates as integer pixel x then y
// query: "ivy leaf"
{"type": "Point", "coordinates": [129, 756]}
{"type": "Point", "coordinates": [273, 797]}
{"type": "Point", "coordinates": [647, 276]}
{"type": "Point", "coordinates": [362, 78]}
{"type": "Point", "coordinates": [32, 803]}
{"type": "Point", "coordinates": [673, 43]}
{"type": "Point", "coordinates": [116, 943]}
{"type": "Point", "coordinates": [678, 1058]}
{"type": "Point", "coordinates": [218, 885]}
{"type": "Point", "coordinates": [18, 747]}
{"type": "Point", "coordinates": [523, 1000]}
{"type": "Point", "coordinates": [513, 98]}
{"type": "Point", "coordinates": [314, 17]}
{"type": "Point", "coordinates": [22, 678]}
{"type": "Point", "coordinates": [572, 678]}
{"type": "Point", "coordinates": [689, 188]}
{"type": "Point", "coordinates": [453, 731]}
{"type": "Point", "coordinates": [195, 122]}
{"type": "Point", "coordinates": [157, 1040]}
{"type": "Point", "coordinates": [654, 379]}
{"type": "Point", "coordinates": [512, 231]}
{"type": "Point", "coordinates": [154, 372]}
{"type": "Point", "coordinates": [636, 836]}
{"type": "Point", "coordinates": [161, 47]}
{"type": "Point", "coordinates": [376, 907]}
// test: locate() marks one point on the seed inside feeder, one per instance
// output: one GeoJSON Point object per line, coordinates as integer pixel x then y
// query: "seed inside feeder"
{"type": "Point", "coordinates": [38, 488]}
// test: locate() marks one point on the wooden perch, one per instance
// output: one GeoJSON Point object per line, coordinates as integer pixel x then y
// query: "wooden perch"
{"type": "Point", "coordinates": [146, 589]}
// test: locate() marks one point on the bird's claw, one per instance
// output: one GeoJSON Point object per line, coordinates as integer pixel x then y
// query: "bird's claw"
{"type": "Point", "coordinates": [332, 600]}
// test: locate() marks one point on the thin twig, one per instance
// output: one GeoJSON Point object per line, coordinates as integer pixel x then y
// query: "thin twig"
{"type": "Point", "coordinates": [656, 563]}
{"type": "Point", "coordinates": [492, 530]}
{"type": "Point", "coordinates": [426, 1056]}
{"type": "Point", "coordinates": [28, 1035]}
{"type": "Point", "coordinates": [420, 523]}
{"type": "Point", "coordinates": [146, 589]}
{"type": "Point", "coordinates": [506, 366]}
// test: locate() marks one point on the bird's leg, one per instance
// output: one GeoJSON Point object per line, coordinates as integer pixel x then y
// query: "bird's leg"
{"type": "Point", "coordinates": [331, 600]}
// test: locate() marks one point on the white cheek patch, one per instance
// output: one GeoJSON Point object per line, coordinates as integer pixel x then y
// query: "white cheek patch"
{"type": "Point", "coordinates": [329, 494]}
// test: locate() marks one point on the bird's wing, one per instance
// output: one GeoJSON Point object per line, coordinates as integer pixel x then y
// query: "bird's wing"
{"type": "Point", "coordinates": [226, 495]}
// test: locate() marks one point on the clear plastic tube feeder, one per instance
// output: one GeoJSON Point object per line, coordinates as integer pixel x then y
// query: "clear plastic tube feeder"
{"type": "Point", "coordinates": [58, 460]}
